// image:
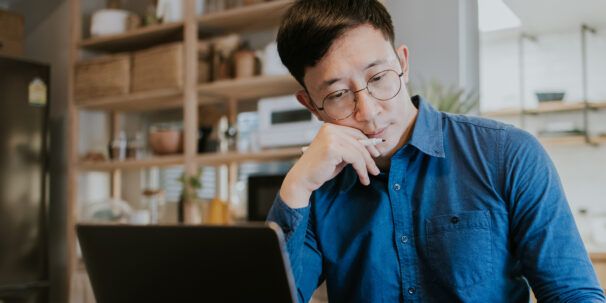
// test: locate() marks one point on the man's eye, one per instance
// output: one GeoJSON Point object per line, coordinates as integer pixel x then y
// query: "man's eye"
{"type": "Point", "coordinates": [337, 95]}
{"type": "Point", "coordinates": [377, 78]}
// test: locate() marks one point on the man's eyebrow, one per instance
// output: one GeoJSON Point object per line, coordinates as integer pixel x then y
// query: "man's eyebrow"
{"type": "Point", "coordinates": [374, 63]}
{"type": "Point", "coordinates": [329, 82]}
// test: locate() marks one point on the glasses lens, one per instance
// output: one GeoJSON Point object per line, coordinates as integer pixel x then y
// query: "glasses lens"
{"type": "Point", "coordinates": [340, 104]}
{"type": "Point", "coordinates": [384, 85]}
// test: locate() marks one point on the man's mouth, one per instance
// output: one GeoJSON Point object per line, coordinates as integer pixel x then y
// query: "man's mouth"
{"type": "Point", "coordinates": [376, 134]}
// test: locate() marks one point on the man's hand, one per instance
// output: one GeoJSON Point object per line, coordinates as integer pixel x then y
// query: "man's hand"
{"type": "Point", "coordinates": [331, 150]}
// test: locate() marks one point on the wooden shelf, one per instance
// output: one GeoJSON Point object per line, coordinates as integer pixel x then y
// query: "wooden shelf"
{"type": "Point", "coordinates": [136, 39]}
{"type": "Point", "coordinates": [247, 88]}
{"type": "Point", "coordinates": [598, 139]}
{"type": "Point", "coordinates": [563, 140]}
{"type": "Point", "coordinates": [555, 106]}
{"type": "Point", "coordinates": [158, 161]}
{"type": "Point", "coordinates": [213, 159]}
{"type": "Point", "coordinates": [546, 107]}
{"type": "Point", "coordinates": [598, 257]}
{"type": "Point", "coordinates": [209, 93]}
{"type": "Point", "coordinates": [247, 18]}
{"type": "Point", "coordinates": [141, 101]}
{"type": "Point", "coordinates": [209, 159]}
{"type": "Point", "coordinates": [505, 112]}
{"type": "Point", "coordinates": [597, 105]}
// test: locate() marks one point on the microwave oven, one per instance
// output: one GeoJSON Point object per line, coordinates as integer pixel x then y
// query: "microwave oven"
{"type": "Point", "coordinates": [285, 122]}
{"type": "Point", "coordinates": [262, 191]}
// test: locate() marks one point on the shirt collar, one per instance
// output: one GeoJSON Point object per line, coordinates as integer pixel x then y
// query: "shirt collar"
{"type": "Point", "coordinates": [427, 135]}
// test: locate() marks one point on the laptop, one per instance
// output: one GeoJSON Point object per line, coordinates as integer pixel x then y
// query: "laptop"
{"type": "Point", "coordinates": [186, 263]}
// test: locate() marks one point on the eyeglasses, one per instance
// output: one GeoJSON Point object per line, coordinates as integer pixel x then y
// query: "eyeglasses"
{"type": "Point", "coordinates": [382, 86]}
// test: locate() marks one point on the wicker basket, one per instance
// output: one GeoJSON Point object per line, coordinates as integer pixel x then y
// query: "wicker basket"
{"type": "Point", "coordinates": [11, 33]}
{"type": "Point", "coordinates": [160, 67]}
{"type": "Point", "coordinates": [102, 77]}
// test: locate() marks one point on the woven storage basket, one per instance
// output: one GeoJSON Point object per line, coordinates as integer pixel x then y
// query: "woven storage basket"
{"type": "Point", "coordinates": [160, 67]}
{"type": "Point", "coordinates": [102, 77]}
{"type": "Point", "coordinates": [11, 33]}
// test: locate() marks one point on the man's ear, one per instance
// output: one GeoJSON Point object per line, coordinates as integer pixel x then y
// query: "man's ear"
{"type": "Point", "coordinates": [402, 52]}
{"type": "Point", "coordinates": [305, 100]}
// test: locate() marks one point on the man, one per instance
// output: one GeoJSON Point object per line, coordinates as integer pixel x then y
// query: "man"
{"type": "Point", "coordinates": [448, 208]}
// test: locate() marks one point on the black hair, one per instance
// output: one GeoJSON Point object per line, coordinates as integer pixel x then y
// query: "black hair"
{"type": "Point", "coordinates": [310, 27]}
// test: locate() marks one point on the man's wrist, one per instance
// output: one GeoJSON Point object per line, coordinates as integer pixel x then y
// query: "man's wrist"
{"type": "Point", "coordinates": [294, 195]}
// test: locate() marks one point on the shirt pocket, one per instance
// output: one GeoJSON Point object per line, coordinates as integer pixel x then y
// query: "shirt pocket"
{"type": "Point", "coordinates": [460, 248]}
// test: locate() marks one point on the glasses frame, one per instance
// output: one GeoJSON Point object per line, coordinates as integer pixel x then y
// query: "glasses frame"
{"type": "Point", "coordinates": [365, 88]}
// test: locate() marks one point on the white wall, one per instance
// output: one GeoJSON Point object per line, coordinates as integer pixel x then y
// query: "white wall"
{"type": "Point", "coordinates": [554, 62]}
{"type": "Point", "coordinates": [442, 38]}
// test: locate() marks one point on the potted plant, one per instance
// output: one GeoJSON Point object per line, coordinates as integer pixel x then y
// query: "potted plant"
{"type": "Point", "coordinates": [449, 99]}
{"type": "Point", "coordinates": [189, 210]}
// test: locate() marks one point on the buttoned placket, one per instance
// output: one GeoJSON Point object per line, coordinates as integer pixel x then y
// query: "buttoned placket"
{"type": "Point", "coordinates": [403, 225]}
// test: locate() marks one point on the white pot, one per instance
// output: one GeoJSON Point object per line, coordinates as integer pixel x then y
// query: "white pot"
{"type": "Point", "coordinates": [271, 63]}
{"type": "Point", "coordinates": [109, 22]}
{"type": "Point", "coordinates": [172, 10]}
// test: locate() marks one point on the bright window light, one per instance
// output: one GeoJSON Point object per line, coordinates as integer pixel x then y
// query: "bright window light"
{"type": "Point", "coordinates": [495, 15]}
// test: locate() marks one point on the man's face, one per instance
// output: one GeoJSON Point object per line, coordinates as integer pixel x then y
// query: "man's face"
{"type": "Point", "coordinates": [349, 63]}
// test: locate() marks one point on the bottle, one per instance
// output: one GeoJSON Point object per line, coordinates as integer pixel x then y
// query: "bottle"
{"type": "Point", "coordinates": [117, 147]}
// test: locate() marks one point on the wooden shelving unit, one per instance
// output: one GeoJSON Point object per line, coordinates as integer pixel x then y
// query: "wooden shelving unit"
{"type": "Point", "coordinates": [208, 159]}
{"type": "Point", "coordinates": [555, 107]}
{"type": "Point", "coordinates": [597, 105]}
{"type": "Point", "coordinates": [142, 101]}
{"type": "Point", "coordinates": [505, 112]}
{"type": "Point", "coordinates": [236, 157]}
{"type": "Point", "coordinates": [208, 93]}
{"type": "Point", "coordinates": [563, 140]}
{"type": "Point", "coordinates": [136, 39]}
{"type": "Point", "coordinates": [130, 164]}
{"type": "Point", "coordinates": [246, 89]}
{"type": "Point", "coordinates": [545, 107]}
{"type": "Point", "coordinates": [598, 139]}
{"type": "Point", "coordinates": [188, 98]}
{"type": "Point", "coordinates": [244, 19]}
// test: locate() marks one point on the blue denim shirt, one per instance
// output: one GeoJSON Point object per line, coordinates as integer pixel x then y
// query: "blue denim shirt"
{"type": "Point", "coordinates": [471, 210]}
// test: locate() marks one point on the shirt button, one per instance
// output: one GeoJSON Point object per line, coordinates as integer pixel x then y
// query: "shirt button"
{"type": "Point", "coordinates": [412, 290]}
{"type": "Point", "coordinates": [404, 239]}
{"type": "Point", "coordinates": [396, 187]}
{"type": "Point", "coordinates": [454, 220]}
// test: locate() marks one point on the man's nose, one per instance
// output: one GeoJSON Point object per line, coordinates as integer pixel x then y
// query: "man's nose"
{"type": "Point", "coordinates": [367, 107]}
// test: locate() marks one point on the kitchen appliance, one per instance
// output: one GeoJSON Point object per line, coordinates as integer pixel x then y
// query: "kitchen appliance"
{"type": "Point", "coordinates": [262, 191]}
{"type": "Point", "coordinates": [285, 122]}
{"type": "Point", "coordinates": [24, 245]}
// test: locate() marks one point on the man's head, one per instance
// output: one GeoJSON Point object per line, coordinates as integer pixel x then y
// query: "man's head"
{"type": "Point", "coordinates": [343, 50]}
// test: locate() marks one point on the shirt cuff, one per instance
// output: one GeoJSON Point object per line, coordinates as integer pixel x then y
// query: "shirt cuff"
{"type": "Point", "coordinates": [289, 219]}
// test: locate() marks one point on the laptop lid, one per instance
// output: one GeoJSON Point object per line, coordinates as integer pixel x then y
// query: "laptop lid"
{"type": "Point", "coordinates": [182, 263]}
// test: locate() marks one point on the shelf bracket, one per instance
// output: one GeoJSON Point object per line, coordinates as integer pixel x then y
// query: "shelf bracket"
{"type": "Point", "coordinates": [584, 30]}
{"type": "Point", "coordinates": [521, 67]}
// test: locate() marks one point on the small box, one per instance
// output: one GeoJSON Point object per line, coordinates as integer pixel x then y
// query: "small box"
{"type": "Point", "coordinates": [11, 33]}
{"type": "Point", "coordinates": [160, 67]}
{"type": "Point", "coordinates": [102, 77]}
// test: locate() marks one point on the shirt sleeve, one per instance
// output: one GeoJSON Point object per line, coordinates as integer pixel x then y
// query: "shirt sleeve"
{"type": "Point", "coordinates": [543, 233]}
{"type": "Point", "coordinates": [303, 251]}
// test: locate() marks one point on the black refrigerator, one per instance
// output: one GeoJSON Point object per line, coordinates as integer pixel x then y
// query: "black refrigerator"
{"type": "Point", "coordinates": [24, 110]}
